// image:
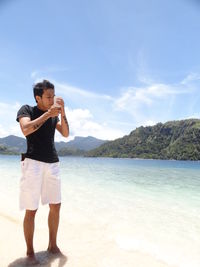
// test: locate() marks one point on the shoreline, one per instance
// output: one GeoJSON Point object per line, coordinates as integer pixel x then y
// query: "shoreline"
{"type": "Point", "coordinates": [106, 157]}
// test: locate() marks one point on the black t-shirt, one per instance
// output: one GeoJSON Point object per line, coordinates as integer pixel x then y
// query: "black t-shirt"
{"type": "Point", "coordinates": [40, 144]}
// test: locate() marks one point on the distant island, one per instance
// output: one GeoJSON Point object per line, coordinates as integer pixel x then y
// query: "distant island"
{"type": "Point", "coordinates": [178, 140]}
{"type": "Point", "coordinates": [14, 145]}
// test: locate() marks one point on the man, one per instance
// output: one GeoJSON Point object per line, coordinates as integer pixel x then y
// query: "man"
{"type": "Point", "coordinates": [40, 168]}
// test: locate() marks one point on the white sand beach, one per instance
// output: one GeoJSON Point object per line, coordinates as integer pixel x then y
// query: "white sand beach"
{"type": "Point", "coordinates": [82, 245]}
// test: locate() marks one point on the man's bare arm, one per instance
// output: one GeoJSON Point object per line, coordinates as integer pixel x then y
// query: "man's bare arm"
{"type": "Point", "coordinates": [63, 126]}
{"type": "Point", "coordinates": [29, 126]}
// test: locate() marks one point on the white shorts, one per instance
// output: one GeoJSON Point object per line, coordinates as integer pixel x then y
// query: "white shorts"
{"type": "Point", "coordinates": [39, 179]}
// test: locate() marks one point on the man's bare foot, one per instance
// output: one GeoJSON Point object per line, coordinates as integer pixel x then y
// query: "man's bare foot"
{"type": "Point", "coordinates": [31, 260]}
{"type": "Point", "coordinates": [54, 250]}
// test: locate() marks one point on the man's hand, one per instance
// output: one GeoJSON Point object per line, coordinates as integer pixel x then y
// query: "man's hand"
{"type": "Point", "coordinates": [53, 111]}
{"type": "Point", "coordinates": [62, 126]}
{"type": "Point", "coordinates": [60, 102]}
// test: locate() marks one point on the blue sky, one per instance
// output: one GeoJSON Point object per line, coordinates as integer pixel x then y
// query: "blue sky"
{"type": "Point", "coordinates": [118, 64]}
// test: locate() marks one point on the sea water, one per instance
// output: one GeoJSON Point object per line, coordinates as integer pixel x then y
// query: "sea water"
{"type": "Point", "coordinates": [148, 206]}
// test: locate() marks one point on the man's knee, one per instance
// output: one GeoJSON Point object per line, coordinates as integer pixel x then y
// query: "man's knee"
{"type": "Point", "coordinates": [30, 213]}
{"type": "Point", "coordinates": [55, 208]}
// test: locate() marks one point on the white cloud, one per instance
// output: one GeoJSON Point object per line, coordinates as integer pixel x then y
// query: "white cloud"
{"type": "Point", "coordinates": [9, 109]}
{"type": "Point", "coordinates": [133, 98]}
{"type": "Point", "coordinates": [192, 77]}
{"type": "Point", "coordinates": [68, 90]}
{"type": "Point", "coordinates": [108, 117]}
{"type": "Point", "coordinates": [149, 123]}
{"type": "Point", "coordinates": [3, 132]}
{"type": "Point", "coordinates": [82, 123]}
{"type": "Point", "coordinates": [147, 94]}
{"type": "Point", "coordinates": [8, 113]}
{"type": "Point", "coordinates": [158, 102]}
{"type": "Point", "coordinates": [192, 116]}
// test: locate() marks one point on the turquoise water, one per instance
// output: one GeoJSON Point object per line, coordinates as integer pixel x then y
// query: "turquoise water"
{"type": "Point", "coordinates": [150, 206]}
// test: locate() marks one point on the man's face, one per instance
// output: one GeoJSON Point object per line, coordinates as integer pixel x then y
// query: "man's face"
{"type": "Point", "coordinates": [47, 99]}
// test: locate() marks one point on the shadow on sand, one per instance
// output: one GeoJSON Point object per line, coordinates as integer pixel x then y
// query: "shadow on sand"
{"type": "Point", "coordinates": [45, 259]}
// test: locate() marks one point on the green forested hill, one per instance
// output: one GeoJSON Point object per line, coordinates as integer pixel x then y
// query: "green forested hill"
{"type": "Point", "coordinates": [5, 151]}
{"type": "Point", "coordinates": [172, 140]}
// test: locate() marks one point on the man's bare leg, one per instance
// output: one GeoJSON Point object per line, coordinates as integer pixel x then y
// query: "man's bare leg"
{"type": "Point", "coordinates": [53, 222]}
{"type": "Point", "coordinates": [29, 225]}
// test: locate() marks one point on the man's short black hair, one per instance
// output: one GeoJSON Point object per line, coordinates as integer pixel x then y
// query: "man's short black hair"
{"type": "Point", "coordinates": [38, 88]}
